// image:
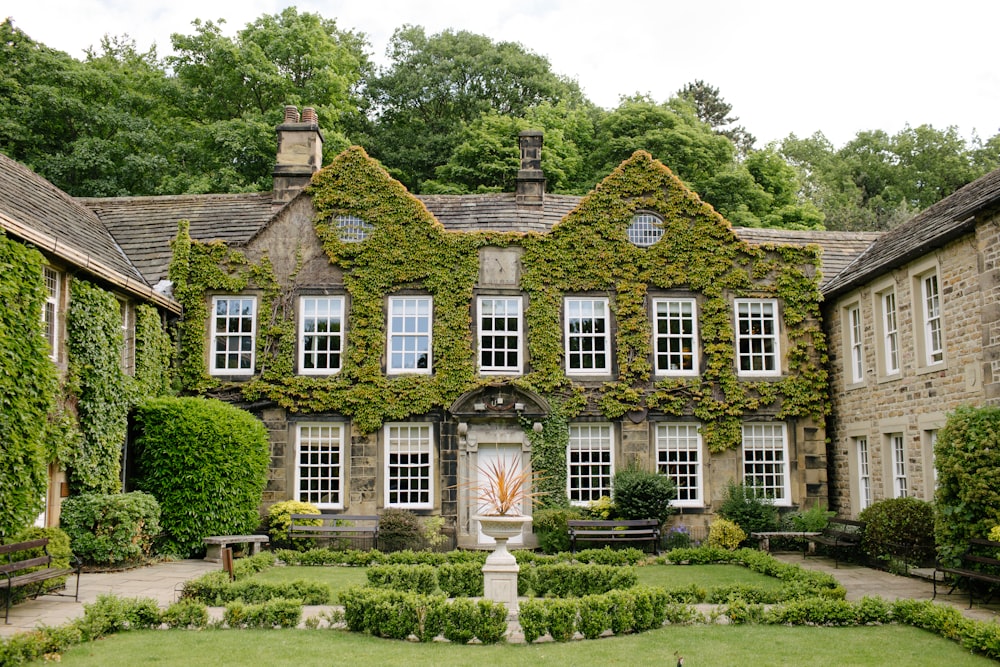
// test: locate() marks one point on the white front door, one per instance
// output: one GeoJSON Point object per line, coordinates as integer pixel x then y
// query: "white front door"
{"type": "Point", "coordinates": [501, 454]}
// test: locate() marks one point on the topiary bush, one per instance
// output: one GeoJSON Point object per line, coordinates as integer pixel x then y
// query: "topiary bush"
{"type": "Point", "coordinates": [552, 529]}
{"type": "Point", "coordinates": [279, 518]}
{"type": "Point", "coordinates": [111, 529]}
{"type": "Point", "coordinates": [206, 462]}
{"type": "Point", "coordinates": [967, 501]}
{"type": "Point", "coordinates": [642, 494]}
{"type": "Point", "coordinates": [742, 506]}
{"type": "Point", "coordinates": [725, 534]}
{"type": "Point", "coordinates": [399, 530]}
{"type": "Point", "coordinates": [898, 529]}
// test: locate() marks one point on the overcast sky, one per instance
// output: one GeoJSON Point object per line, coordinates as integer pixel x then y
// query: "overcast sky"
{"type": "Point", "coordinates": [796, 66]}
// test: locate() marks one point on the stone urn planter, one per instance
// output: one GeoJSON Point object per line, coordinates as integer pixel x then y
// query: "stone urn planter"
{"type": "Point", "coordinates": [501, 568]}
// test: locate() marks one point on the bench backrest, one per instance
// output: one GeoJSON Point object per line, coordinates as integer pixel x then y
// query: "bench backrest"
{"type": "Point", "coordinates": [333, 523]}
{"type": "Point", "coordinates": [985, 552]}
{"type": "Point", "coordinates": [613, 523]}
{"type": "Point", "coordinates": [845, 529]}
{"type": "Point", "coordinates": [9, 563]}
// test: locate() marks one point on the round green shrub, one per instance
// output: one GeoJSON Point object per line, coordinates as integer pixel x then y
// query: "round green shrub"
{"type": "Point", "coordinates": [967, 501]}
{"type": "Point", "coordinates": [552, 529]}
{"type": "Point", "coordinates": [898, 528]}
{"type": "Point", "coordinates": [743, 507]}
{"type": "Point", "coordinates": [206, 462]}
{"type": "Point", "coordinates": [643, 494]}
{"type": "Point", "coordinates": [399, 530]}
{"type": "Point", "coordinates": [111, 529]}
{"type": "Point", "coordinates": [726, 534]}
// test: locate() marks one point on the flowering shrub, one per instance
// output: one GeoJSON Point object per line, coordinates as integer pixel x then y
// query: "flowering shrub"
{"type": "Point", "coordinates": [726, 534]}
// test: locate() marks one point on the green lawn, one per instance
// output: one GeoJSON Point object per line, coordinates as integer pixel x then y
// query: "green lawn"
{"type": "Point", "coordinates": [668, 576]}
{"type": "Point", "coordinates": [718, 646]}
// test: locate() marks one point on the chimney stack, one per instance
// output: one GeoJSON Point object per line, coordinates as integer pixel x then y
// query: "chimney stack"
{"type": "Point", "coordinates": [300, 153]}
{"type": "Point", "coordinates": [530, 178]}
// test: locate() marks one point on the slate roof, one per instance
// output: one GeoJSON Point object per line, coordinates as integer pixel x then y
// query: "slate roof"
{"type": "Point", "coordinates": [144, 226]}
{"type": "Point", "coordinates": [937, 225]}
{"type": "Point", "coordinates": [497, 212]}
{"type": "Point", "coordinates": [839, 248]}
{"type": "Point", "coordinates": [35, 210]}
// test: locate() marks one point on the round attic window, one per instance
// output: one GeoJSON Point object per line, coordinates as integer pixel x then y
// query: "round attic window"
{"type": "Point", "coordinates": [645, 230]}
{"type": "Point", "coordinates": [352, 228]}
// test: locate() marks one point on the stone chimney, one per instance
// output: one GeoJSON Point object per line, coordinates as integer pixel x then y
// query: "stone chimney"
{"type": "Point", "coordinates": [530, 179]}
{"type": "Point", "coordinates": [300, 153]}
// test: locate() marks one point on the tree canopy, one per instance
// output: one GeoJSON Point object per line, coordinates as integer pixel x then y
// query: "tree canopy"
{"type": "Point", "coordinates": [442, 116]}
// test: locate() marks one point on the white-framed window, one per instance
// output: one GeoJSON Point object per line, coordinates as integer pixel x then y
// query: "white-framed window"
{"type": "Point", "coordinates": [645, 230]}
{"type": "Point", "coordinates": [352, 229]}
{"type": "Point", "coordinates": [897, 445]}
{"type": "Point", "coordinates": [765, 461]}
{"type": "Point", "coordinates": [679, 457]}
{"type": "Point", "coordinates": [757, 347]}
{"type": "Point", "coordinates": [864, 473]}
{"type": "Point", "coordinates": [410, 326]}
{"type": "Point", "coordinates": [588, 337]}
{"type": "Point", "coordinates": [127, 311]}
{"type": "Point", "coordinates": [855, 340]}
{"type": "Point", "coordinates": [500, 327]}
{"type": "Point", "coordinates": [321, 334]}
{"type": "Point", "coordinates": [409, 460]}
{"type": "Point", "coordinates": [50, 310]}
{"type": "Point", "coordinates": [890, 332]}
{"type": "Point", "coordinates": [675, 336]}
{"type": "Point", "coordinates": [233, 335]}
{"type": "Point", "coordinates": [930, 310]}
{"type": "Point", "coordinates": [319, 464]}
{"type": "Point", "coordinates": [589, 462]}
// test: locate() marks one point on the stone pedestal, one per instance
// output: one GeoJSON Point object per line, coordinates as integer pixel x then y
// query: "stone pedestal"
{"type": "Point", "coordinates": [501, 568]}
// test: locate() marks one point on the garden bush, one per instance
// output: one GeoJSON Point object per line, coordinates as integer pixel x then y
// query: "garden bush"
{"type": "Point", "coordinates": [206, 462]}
{"type": "Point", "coordinates": [111, 529]}
{"type": "Point", "coordinates": [463, 579]}
{"type": "Point", "coordinates": [552, 529]}
{"type": "Point", "coordinates": [725, 534]}
{"type": "Point", "coordinates": [415, 578]}
{"type": "Point", "coordinates": [967, 458]}
{"type": "Point", "coordinates": [399, 530]}
{"type": "Point", "coordinates": [273, 613]}
{"type": "Point", "coordinates": [110, 614]}
{"type": "Point", "coordinates": [642, 494]}
{"type": "Point", "coordinates": [898, 529]}
{"type": "Point", "coordinates": [812, 520]}
{"type": "Point", "coordinates": [279, 519]}
{"type": "Point", "coordinates": [186, 614]}
{"type": "Point", "coordinates": [752, 513]}
{"type": "Point", "coordinates": [566, 580]}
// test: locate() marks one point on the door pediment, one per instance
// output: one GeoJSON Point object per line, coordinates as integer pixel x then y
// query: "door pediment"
{"type": "Point", "coordinates": [498, 401]}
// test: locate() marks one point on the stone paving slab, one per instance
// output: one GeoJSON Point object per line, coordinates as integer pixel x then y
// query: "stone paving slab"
{"type": "Point", "coordinates": [161, 581]}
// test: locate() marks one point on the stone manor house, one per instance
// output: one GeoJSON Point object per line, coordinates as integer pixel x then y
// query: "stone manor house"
{"type": "Point", "coordinates": [395, 345]}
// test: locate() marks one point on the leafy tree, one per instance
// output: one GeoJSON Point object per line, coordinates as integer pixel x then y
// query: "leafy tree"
{"type": "Point", "coordinates": [433, 85]}
{"type": "Point", "coordinates": [713, 110]}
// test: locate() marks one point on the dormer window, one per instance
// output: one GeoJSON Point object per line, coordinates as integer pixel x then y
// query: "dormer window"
{"type": "Point", "coordinates": [645, 230]}
{"type": "Point", "coordinates": [352, 229]}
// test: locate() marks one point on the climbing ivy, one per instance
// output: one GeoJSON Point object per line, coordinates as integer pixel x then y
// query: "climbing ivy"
{"type": "Point", "coordinates": [96, 379]}
{"type": "Point", "coordinates": [27, 387]}
{"type": "Point", "coordinates": [588, 252]}
{"type": "Point", "coordinates": [153, 353]}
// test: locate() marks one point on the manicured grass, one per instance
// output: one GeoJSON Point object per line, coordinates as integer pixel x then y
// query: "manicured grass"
{"type": "Point", "coordinates": [705, 576]}
{"type": "Point", "coordinates": [718, 646]}
{"type": "Point", "coordinates": [668, 576]}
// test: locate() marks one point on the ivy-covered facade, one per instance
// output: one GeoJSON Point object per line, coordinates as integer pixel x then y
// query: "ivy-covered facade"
{"type": "Point", "coordinates": [392, 356]}
{"type": "Point", "coordinates": [396, 345]}
{"type": "Point", "coordinates": [84, 338]}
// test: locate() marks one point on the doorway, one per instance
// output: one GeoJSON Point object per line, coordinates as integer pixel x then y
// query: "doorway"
{"type": "Point", "coordinates": [499, 454]}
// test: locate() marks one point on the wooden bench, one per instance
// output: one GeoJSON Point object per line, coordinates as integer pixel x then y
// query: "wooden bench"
{"type": "Point", "coordinates": [216, 543]}
{"type": "Point", "coordinates": [623, 530]}
{"type": "Point", "coordinates": [334, 526]}
{"type": "Point", "coordinates": [764, 538]}
{"type": "Point", "coordinates": [18, 556]}
{"type": "Point", "coordinates": [974, 559]}
{"type": "Point", "coordinates": [840, 535]}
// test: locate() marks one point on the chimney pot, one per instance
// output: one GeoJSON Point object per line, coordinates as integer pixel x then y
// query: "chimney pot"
{"type": "Point", "coordinates": [300, 153]}
{"type": "Point", "coordinates": [291, 114]}
{"type": "Point", "coordinates": [309, 116]}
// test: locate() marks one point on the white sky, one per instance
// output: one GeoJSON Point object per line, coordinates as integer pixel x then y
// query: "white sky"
{"type": "Point", "coordinates": [785, 65]}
